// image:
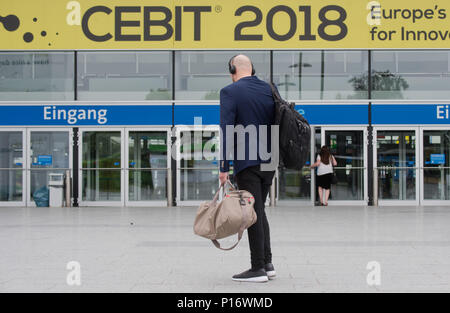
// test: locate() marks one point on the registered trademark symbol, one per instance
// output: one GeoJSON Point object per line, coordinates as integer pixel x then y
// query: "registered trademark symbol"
{"type": "Point", "coordinates": [218, 8]}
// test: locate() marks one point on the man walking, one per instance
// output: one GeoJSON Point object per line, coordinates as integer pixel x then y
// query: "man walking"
{"type": "Point", "coordinates": [248, 104]}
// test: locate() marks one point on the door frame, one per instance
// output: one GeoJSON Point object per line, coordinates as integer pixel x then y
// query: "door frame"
{"type": "Point", "coordinates": [25, 189]}
{"type": "Point", "coordinates": [365, 200]}
{"type": "Point", "coordinates": [129, 203]}
{"type": "Point", "coordinates": [69, 130]}
{"type": "Point", "coordinates": [422, 167]}
{"type": "Point", "coordinates": [378, 128]}
{"type": "Point", "coordinates": [84, 203]}
{"type": "Point", "coordinates": [177, 130]}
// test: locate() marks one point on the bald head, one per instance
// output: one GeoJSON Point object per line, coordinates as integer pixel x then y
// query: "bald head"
{"type": "Point", "coordinates": [243, 66]}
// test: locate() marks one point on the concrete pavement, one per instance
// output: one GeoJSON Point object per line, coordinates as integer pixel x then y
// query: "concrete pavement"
{"type": "Point", "coordinates": [315, 249]}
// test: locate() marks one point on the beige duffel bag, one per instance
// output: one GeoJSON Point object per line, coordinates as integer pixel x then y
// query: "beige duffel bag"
{"type": "Point", "coordinates": [233, 215]}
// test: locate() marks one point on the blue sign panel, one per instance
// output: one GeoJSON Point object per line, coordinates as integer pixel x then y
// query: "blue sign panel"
{"type": "Point", "coordinates": [332, 114]}
{"type": "Point", "coordinates": [188, 114]}
{"type": "Point", "coordinates": [420, 114]}
{"type": "Point", "coordinates": [335, 114]}
{"type": "Point", "coordinates": [45, 160]}
{"type": "Point", "coordinates": [92, 115]}
{"type": "Point", "coordinates": [437, 159]}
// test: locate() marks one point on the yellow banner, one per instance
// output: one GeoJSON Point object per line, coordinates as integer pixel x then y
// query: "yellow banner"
{"type": "Point", "coordinates": [223, 24]}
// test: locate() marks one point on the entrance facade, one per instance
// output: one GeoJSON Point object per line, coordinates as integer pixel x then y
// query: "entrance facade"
{"type": "Point", "coordinates": [27, 157]}
{"type": "Point", "coordinates": [412, 165]}
{"type": "Point", "coordinates": [197, 155]}
{"type": "Point", "coordinates": [124, 166]}
{"type": "Point", "coordinates": [349, 147]}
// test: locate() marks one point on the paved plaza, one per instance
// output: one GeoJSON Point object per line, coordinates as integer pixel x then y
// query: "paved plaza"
{"type": "Point", "coordinates": [315, 249]}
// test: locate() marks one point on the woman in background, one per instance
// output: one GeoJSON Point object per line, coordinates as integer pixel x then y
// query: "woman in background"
{"type": "Point", "coordinates": [325, 162]}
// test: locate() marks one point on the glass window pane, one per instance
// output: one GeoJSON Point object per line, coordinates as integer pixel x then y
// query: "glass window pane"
{"type": "Point", "coordinates": [201, 75]}
{"type": "Point", "coordinates": [147, 150]}
{"type": "Point", "coordinates": [11, 185]}
{"type": "Point", "coordinates": [101, 185]}
{"type": "Point", "coordinates": [101, 149]}
{"type": "Point", "coordinates": [436, 146]}
{"type": "Point", "coordinates": [411, 74]}
{"type": "Point", "coordinates": [396, 161]}
{"type": "Point", "coordinates": [198, 184]}
{"type": "Point", "coordinates": [315, 75]}
{"type": "Point", "coordinates": [36, 76]}
{"type": "Point", "coordinates": [49, 149]}
{"type": "Point", "coordinates": [347, 147]}
{"type": "Point", "coordinates": [199, 149]}
{"type": "Point", "coordinates": [294, 185]}
{"type": "Point", "coordinates": [134, 76]}
{"type": "Point", "coordinates": [147, 185]}
{"type": "Point", "coordinates": [11, 150]}
{"type": "Point", "coordinates": [350, 185]}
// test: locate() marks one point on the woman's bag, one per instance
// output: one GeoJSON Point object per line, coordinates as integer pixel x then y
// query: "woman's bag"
{"type": "Point", "coordinates": [334, 179]}
{"type": "Point", "coordinates": [233, 215]}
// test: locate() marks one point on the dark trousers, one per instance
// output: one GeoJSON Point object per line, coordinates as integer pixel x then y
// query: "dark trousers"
{"type": "Point", "coordinates": [258, 183]}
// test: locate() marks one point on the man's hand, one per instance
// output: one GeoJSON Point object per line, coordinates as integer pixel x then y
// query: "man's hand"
{"type": "Point", "coordinates": [223, 177]}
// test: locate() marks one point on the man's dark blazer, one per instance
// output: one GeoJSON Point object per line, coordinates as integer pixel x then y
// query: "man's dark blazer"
{"type": "Point", "coordinates": [246, 102]}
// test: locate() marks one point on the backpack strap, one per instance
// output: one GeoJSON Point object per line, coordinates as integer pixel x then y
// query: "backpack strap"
{"type": "Point", "coordinates": [275, 93]}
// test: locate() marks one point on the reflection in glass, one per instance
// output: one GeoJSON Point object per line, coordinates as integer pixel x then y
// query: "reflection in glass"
{"type": "Point", "coordinates": [11, 149]}
{"type": "Point", "coordinates": [199, 149]}
{"type": "Point", "coordinates": [36, 76]}
{"type": "Point", "coordinates": [147, 150]}
{"type": "Point", "coordinates": [348, 149]}
{"type": "Point", "coordinates": [101, 185]}
{"type": "Point", "coordinates": [49, 154]}
{"type": "Point", "coordinates": [294, 185]}
{"type": "Point", "coordinates": [314, 75]}
{"type": "Point", "coordinates": [396, 162]}
{"type": "Point", "coordinates": [199, 167]}
{"type": "Point", "coordinates": [436, 165]}
{"type": "Point", "coordinates": [350, 184]}
{"type": "Point", "coordinates": [199, 184]}
{"type": "Point", "coordinates": [411, 74]}
{"type": "Point", "coordinates": [102, 151]}
{"type": "Point", "coordinates": [146, 185]}
{"type": "Point", "coordinates": [201, 74]}
{"type": "Point", "coordinates": [397, 184]}
{"type": "Point", "coordinates": [11, 185]}
{"type": "Point", "coordinates": [49, 149]}
{"type": "Point", "coordinates": [124, 75]}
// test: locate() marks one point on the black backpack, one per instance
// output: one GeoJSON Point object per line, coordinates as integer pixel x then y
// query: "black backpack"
{"type": "Point", "coordinates": [295, 133]}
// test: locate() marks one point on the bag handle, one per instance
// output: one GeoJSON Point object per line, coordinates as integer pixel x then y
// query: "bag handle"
{"type": "Point", "coordinates": [222, 187]}
{"type": "Point", "coordinates": [245, 222]}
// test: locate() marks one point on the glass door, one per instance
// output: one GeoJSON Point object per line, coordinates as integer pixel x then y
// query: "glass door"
{"type": "Point", "coordinates": [12, 165]}
{"type": "Point", "coordinates": [396, 152]}
{"type": "Point", "coordinates": [435, 167]}
{"type": "Point", "coordinates": [197, 164]}
{"type": "Point", "coordinates": [296, 186]}
{"type": "Point", "coordinates": [101, 158]}
{"type": "Point", "coordinates": [349, 147]}
{"type": "Point", "coordinates": [49, 152]}
{"type": "Point", "coordinates": [147, 167]}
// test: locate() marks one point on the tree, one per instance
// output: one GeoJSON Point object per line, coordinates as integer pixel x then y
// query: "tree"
{"type": "Point", "coordinates": [387, 84]}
